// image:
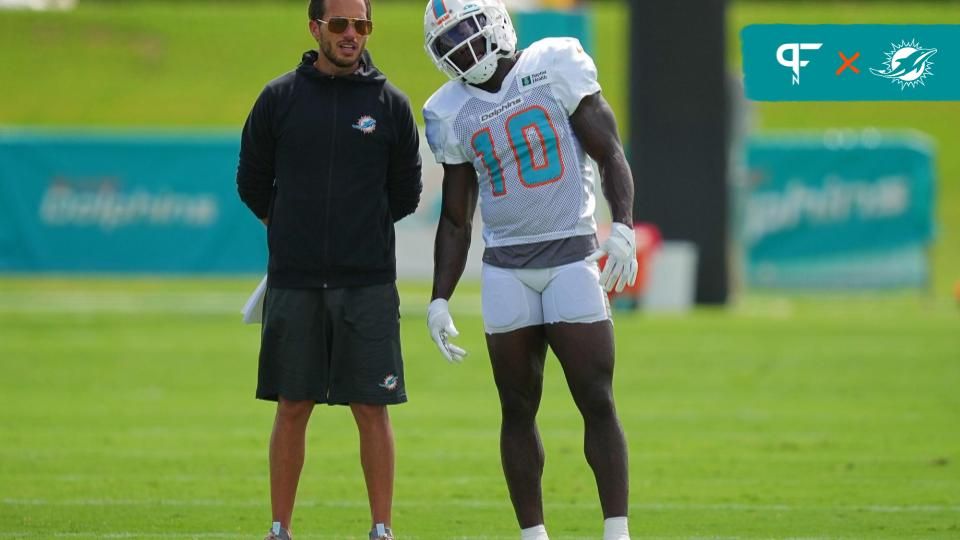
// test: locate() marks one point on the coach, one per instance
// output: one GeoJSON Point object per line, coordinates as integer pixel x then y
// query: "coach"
{"type": "Point", "coordinates": [329, 161]}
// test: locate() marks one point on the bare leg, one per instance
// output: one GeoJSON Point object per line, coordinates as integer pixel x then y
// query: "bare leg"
{"type": "Point", "coordinates": [517, 358]}
{"type": "Point", "coordinates": [287, 446]}
{"type": "Point", "coordinates": [376, 458]}
{"type": "Point", "coordinates": [586, 352]}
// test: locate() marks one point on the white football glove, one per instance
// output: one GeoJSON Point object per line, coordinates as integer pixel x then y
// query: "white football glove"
{"type": "Point", "coordinates": [620, 248]}
{"type": "Point", "coordinates": [441, 328]}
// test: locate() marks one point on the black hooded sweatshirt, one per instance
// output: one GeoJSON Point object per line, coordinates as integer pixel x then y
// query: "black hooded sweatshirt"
{"type": "Point", "coordinates": [333, 162]}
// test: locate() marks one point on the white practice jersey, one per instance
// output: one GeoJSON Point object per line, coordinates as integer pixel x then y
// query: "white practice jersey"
{"type": "Point", "coordinates": [536, 183]}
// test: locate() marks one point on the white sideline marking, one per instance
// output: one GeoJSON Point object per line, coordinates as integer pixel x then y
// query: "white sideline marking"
{"type": "Point", "coordinates": [490, 503]}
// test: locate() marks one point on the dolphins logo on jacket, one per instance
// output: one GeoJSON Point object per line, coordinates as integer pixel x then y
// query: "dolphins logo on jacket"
{"type": "Point", "coordinates": [365, 124]}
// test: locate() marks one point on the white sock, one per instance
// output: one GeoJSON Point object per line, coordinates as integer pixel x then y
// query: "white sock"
{"type": "Point", "coordinates": [615, 528]}
{"type": "Point", "coordinates": [538, 532]}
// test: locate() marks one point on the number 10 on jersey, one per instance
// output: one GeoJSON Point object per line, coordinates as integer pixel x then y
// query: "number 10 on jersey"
{"type": "Point", "coordinates": [523, 129]}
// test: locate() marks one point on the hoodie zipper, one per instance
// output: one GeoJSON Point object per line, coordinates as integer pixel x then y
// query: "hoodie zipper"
{"type": "Point", "coordinates": [326, 216]}
{"type": "Point", "coordinates": [333, 148]}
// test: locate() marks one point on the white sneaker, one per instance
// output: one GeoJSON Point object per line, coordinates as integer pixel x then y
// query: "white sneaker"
{"type": "Point", "coordinates": [381, 533]}
{"type": "Point", "coordinates": [282, 535]}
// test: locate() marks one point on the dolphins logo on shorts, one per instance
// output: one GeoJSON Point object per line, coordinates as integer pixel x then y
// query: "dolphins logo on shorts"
{"type": "Point", "coordinates": [390, 382]}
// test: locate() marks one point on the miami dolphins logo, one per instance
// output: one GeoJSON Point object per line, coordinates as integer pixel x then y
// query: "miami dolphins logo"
{"type": "Point", "coordinates": [366, 124]}
{"type": "Point", "coordinates": [908, 64]}
{"type": "Point", "coordinates": [390, 382]}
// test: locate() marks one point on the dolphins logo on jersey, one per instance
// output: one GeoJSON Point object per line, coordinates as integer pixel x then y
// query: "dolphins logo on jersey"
{"type": "Point", "coordinates": [907, 64]}
{"type": "Point", "coordinates": [365, 124]}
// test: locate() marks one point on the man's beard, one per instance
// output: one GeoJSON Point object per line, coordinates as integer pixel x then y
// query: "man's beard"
{"type": "Point", "coordinates": [327, 49]}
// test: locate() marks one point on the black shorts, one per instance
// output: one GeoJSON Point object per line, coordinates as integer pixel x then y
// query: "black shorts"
{"type": "Point", "coordinates": [334, 346]}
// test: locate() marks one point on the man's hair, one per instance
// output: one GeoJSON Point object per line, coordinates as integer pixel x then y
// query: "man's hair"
{"type": "Point", "coordinates": [317, 7]}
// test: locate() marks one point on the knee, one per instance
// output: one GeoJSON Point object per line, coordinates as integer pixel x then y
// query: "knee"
{"type": "Point", "coordinates": [596, 403]}
{"type": "Point", "coordinates": [519, 408]}
{"type": "Point", "coordinates": [369, 415]}
{"type": "Point", "coordinates": [294, 412]}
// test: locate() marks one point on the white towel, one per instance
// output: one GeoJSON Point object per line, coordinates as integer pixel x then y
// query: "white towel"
{"type": "Point", "coordinates": [253, 310]}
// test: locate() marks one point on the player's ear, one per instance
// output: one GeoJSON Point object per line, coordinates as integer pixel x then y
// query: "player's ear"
{"type": "Point", "coordinates": [315, 30]}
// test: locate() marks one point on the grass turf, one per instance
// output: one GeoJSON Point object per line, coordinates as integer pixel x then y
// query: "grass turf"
{"type": "Point", "coordinates": [128, 413]}
{"type": "Point", "coordinates": [128, 409]}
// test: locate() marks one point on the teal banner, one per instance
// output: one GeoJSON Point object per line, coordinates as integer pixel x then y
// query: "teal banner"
{"type": "Point", "coordinates": [847, 209]}
{"type": "Point", "coordinates": [95, 202]}
{"type": "Point", "coordinates": [859, 62]}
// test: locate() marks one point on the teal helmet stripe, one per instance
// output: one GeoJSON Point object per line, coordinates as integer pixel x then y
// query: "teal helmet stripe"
{"type": "Point", "coordinates": [438, 8]}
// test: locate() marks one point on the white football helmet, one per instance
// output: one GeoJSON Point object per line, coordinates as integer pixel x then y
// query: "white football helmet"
{"type": "Point", "coordinates": [465, 38]}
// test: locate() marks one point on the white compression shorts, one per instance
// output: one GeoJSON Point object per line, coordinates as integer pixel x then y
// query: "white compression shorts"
{"type": "Point", "coordinates": [513, 298]}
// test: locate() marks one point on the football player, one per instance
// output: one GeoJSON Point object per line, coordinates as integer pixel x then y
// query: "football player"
{"type": "Point", "coordinates": [514, 129]}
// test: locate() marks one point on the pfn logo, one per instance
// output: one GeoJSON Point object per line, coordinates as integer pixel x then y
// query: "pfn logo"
{"type": "Point", "coordinates": [794, 62]}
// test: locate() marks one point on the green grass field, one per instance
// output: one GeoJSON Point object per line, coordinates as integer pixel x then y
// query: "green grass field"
{"type": "Point", "coordinates": [127, 404]}
{"type": "Point", "coordinates": [128, 413]}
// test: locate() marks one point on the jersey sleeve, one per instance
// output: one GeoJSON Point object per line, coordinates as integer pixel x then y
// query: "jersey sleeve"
{"type": "Point", "coordinates": [441, 138]}
{"type": "Point", "coordinates": [574, 73]}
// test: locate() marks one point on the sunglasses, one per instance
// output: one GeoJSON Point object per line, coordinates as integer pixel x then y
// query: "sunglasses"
{"type": "Point", "coordinates": [338, 25]}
